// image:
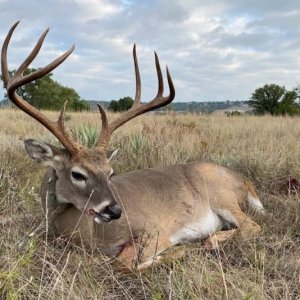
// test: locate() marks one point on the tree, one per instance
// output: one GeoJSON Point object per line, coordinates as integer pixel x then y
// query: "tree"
{"type": "Point", "coordinates": [46, 93]}
{"type": "Point", "coordinates": [122, 104]}
{"type": "Point", "coordinates": [297, 90]}
{"type": "Point", "coordinates": [113, 105]}
{"type": "Point", "coordinates": [275, 100]}
{"type": "Point", "coordinates": [288, 104]}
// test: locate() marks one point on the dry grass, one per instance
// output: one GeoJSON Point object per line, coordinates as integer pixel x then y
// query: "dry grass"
{"type": "Point", "coordinates": [265, 149]}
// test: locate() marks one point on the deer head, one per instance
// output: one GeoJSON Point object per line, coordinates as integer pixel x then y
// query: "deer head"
{"type": "Point", "coordinates": [83, 175]}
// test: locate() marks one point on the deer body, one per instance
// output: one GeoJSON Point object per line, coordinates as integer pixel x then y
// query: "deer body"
{"type": "Point", "coordinates": [171, 205]}
{"type": "Point", "coordinates": [137, 215]}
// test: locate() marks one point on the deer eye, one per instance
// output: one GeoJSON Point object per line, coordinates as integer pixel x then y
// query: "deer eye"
{"type": "Point", "coordinates": [78, 176]}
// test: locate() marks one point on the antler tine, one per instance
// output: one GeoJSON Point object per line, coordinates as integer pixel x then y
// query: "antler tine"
{"type": "Point", "coordinates": [42, 71]}
{"type": "Point", "coordinates": [4, 66]}
{"type": "Point", "coordinates": [138, 108]}
{"type": "Point", "coordinates": [171, 87]}
{"type": "Point", "coordinates": [103, 117]}
{"type": "Point", "coordinates": [104, 135]}
{"type": "Point", "coordinates": [160, 90]}
{"type": "Point", "coordinates": [17, 80]}
{"type": "Point", "coordinates": [33, 54]}
{"type": "Point", "coordinates": [137, 99]}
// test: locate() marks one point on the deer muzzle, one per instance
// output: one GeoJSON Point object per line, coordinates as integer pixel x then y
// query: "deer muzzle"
{"type": "Point", "coordinates": [110, 212]}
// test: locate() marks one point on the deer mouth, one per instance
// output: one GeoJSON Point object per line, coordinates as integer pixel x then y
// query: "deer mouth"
{"type": "Point", "coordinates": [105, 214]}
{"type": "Point", "coordinates": [99, 217]}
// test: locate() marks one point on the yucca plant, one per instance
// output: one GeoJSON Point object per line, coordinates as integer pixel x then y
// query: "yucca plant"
{"type": "Point", "coordinates": [86, 135]}
{"type": "Point", "coordinates": [138, 142]}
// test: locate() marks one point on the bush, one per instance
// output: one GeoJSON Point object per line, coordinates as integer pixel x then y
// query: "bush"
{"type": "Point", "coordinates": [122, 104]}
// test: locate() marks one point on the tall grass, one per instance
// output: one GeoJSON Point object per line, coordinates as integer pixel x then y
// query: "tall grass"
{"type": "Point", "coordinates": [265, 149]}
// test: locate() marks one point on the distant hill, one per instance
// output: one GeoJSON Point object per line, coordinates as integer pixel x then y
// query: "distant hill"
{"type": "Point", "coordinates": [93, 104]}
{"type": "Point", "coordinates": [205, 107]}
{"type": "Point", "coordinates": [242, 107]}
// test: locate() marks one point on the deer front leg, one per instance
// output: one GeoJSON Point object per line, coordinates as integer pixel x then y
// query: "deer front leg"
{"type": "Point", "coordinates": [212, 242]}
{"type": "Point", "coordinates": [143, 253]}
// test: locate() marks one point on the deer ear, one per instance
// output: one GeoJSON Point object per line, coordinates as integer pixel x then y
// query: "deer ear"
{"type": "Point", "coordinates": [44, 153]}
{"type": "Point", "coordinates": [111, 154]}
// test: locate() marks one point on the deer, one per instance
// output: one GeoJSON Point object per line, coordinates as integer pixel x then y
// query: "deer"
{"type": "Point", "coordinates": [136, 216]}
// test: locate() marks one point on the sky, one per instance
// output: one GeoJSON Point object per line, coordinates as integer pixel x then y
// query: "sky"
{"type": "Point", "coordinates": [215, 50]}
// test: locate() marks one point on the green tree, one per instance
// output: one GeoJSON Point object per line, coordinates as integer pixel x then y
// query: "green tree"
{"type": "Point", "coordinates": [113, 105]}
{"type": "Point", "coordinates": [46, 93]}
{"type": "Point", "coordinates": [122, 104]}
{"type": "Point", "coordinates": [288, 104]}
{"type": "Point", "coordinates": [297, 90]}
{"type": "Point", "coordinates": [275, 100]}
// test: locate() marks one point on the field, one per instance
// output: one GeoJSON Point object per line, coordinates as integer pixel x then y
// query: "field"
{"type": "Point", "coordinates": [265, 149]}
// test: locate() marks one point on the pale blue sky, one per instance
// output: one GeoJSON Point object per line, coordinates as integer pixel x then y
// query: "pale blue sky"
{"type": "Point", "coordinates": [216, 50]}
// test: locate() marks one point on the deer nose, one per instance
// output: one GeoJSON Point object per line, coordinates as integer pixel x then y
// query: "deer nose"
{"type": "Point", "coordinates": [114, 211]}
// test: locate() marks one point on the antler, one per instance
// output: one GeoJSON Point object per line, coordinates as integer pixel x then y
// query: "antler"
{"type": "Point", "coordinates": [11, 83]}
{"type": "Point", "coordinates": [137, 108]}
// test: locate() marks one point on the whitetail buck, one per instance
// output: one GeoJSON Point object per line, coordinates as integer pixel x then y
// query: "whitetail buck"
{"type": "Point", "coordinates": [168, 205]}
